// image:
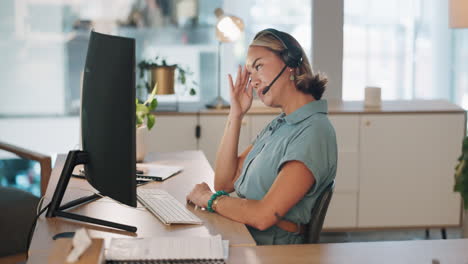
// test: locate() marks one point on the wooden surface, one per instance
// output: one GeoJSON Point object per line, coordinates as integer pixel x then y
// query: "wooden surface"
{"type": "Point", "coordinates": [350, 107]}
{"type": "Point", "coordinates": [62, 248]}
{"type": "Point", "coordinates": [196, 170]}
{"type": "Point", "coordinates": [453, 251]}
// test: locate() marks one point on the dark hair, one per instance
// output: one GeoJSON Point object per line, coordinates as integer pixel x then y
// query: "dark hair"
{"type": "Point", "coordinates": [306, 80]}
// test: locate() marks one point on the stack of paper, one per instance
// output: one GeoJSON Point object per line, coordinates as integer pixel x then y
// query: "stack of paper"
{"type": "Point", "coordinates": [155, 249]}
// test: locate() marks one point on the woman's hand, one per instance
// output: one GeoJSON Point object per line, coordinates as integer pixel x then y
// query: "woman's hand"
{"type": "Point", "coordinates": [200, 195]}
{"type": "Point", "coordinates": [241, 93]}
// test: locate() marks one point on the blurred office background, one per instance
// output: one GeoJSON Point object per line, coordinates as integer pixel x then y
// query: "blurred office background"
{"type": "Point", "coordinates": [404, 46]}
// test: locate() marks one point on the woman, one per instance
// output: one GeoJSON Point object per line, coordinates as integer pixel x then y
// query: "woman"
{"type": "Point", "coordinates": [280, 175]}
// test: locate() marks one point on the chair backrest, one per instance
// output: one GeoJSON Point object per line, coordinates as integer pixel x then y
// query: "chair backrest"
{"type": "Point", "coordinates": [314, 227]}
{"type": "Point", "coordinates": [44, 161]}
{"type": "Point", "coordinates": [18, 209]}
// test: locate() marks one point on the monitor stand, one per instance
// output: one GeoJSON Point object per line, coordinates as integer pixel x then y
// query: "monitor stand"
{"type": "Point", "coordinates": [76, 157]}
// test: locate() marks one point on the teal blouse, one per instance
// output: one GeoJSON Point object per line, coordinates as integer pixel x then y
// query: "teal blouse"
{"type": "Point", "coordinates": [306, 135]}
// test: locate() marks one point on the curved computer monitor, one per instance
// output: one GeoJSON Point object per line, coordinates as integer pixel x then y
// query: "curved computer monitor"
{"type": "Point", "coordinates": [108, 116]}
{"type": "Point", "coordinates": [107, 130]}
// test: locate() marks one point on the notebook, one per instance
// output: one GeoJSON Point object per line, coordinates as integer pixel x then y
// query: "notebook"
{"type": "Point", "coordinates": [156, 172]}
{"type": "Point", "coordinates": [168, 250]}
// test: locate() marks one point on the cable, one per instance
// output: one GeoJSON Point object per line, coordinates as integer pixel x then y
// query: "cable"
{"type": "Point", "coordinates": [33, 226]}
{"type": "Point", "coordinates": [39, 205]}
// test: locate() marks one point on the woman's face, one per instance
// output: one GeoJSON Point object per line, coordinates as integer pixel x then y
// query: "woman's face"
{"type": "Point", "coordinates": [263, 66]}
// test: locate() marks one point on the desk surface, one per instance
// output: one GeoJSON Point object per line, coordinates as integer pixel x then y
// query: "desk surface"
{"type": "Point", "coordinates": [452, 251]}
{"type": "Point", "coordinates": [196, 170]}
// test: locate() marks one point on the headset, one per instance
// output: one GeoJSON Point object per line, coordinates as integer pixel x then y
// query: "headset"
{"type": "Point", "coordinates": [291, 55]}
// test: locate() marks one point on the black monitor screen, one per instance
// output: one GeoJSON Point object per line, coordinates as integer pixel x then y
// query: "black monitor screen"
{"type": "Point", "coordinates": [108, 116]}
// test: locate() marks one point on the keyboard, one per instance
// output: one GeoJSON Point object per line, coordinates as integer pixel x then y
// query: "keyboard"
{"type": "Point", "coordinates": [165, 207]}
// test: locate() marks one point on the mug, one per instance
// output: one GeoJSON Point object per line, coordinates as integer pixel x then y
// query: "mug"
{"type": "Point", "coordinates": [372, 96]}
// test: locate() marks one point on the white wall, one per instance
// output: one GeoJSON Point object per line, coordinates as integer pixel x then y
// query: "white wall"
{"type": "Point", "coordinates": [327, 43]}
{"type": "Point", "coordinates": [47, 135]}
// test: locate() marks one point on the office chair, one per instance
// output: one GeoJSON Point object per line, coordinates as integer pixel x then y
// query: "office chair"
{"type": "Point", "coordinates": [314, 227]}
{"type": "Point", "coordinates": [18, 208]}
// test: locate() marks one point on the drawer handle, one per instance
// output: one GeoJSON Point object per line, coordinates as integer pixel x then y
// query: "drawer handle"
{"type": "Point", "coordinates": [367, 123]}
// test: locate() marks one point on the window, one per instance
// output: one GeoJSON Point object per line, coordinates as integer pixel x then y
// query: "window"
{"type": "Point", "coordinates": [402, 46]}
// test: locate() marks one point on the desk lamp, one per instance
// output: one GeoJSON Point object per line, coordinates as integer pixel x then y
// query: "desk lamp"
{"type": "Point", "coordinates": [228, 29]}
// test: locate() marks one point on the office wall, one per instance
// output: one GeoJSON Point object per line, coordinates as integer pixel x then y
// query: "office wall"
{"type": "Point", "coordinates": [327, 43]}
{"type": "Point", "coordinates": [48, 135]}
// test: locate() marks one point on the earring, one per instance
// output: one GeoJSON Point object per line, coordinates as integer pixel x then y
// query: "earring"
{"type": "Point", "coordinates": [292, 78]}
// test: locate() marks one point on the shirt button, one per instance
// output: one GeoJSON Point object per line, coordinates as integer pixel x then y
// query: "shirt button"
{"type": "Point", "coordinates": [271, 128]}
{"type": "Point", "coordinates": [280, 120]}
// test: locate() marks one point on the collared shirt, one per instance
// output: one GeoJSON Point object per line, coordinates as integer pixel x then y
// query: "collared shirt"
{"type": "Point", "coordinates": [306, 135]}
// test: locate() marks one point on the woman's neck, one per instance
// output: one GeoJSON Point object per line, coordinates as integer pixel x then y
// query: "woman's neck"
{"type": "Point", "coordinates": [295, 101]}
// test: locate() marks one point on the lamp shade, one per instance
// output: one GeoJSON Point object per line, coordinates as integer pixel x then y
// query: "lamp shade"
{"type": "Point", "coordinates": [228, 28]}
{"type": "Point", "coordinates": [458, 13]}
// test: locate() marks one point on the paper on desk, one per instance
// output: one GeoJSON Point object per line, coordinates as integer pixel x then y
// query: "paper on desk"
{"type": "Point", "coordinates": [158, 170]}
{"type": "Point", "coordinates": [168, 248]}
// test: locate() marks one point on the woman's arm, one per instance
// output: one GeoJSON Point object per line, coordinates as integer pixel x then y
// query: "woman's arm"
{"type": "Point", "coordinates": [228, 165]}
{"type": "Point", "coordinates": [227, 162]}
{"type": "Point", "coordinates": [291, 185]}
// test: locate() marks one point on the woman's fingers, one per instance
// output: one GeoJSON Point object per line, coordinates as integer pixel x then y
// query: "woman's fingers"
{"type": "Point", "coordinates": [239, 72]}
{"type": "Point", "coordinates": [242, 80]}
{"type": "Point", "coordinates": [246, 75]}
{"type": "Point", "coordinates": [249, 89]}
{"type": "Point", "coordinates": [230, 82]}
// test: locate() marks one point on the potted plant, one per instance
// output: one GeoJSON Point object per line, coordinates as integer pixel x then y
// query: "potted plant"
{"type": "Point", "coordinates": [145, 120]}
{"type": "Point", "coordinates": [461, 182]}
{"type": "Point", "coordinates": [162, 73]}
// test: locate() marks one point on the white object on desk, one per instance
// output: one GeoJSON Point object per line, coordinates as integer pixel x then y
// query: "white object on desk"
{"type": "Point", "coordinates": [81, 242]}
{"type": "Point", "coordinates": [168, 248]}
{"type": "Point", "coordinates": [165, 207]}
{"type": "Point", "coordinates": [156, 171]}
{"type": "Point", "coordinates": [372, 96]}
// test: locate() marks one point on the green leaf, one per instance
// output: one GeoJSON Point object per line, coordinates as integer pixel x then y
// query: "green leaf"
{"type": "Point", "coordinates": [182, 78]}
{"type": "Point", "coordinates": [141, 108]}
{"type": "Point", "coordinates": [153, 104]}
{"type": "Point", "coordinates": [192, 91]}
{"type": "Point", "coordinates": [139, 120]}
{"type": "Point", "coordinates": [150, 119]}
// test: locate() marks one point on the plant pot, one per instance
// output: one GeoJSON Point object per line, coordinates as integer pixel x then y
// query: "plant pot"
{"type": "Point", "coordinates": [164, 76]}
{"type": "Point", "coordinates": [141, 143]}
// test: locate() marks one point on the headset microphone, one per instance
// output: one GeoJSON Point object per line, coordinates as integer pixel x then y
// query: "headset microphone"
{"type": "Point", "coordinates": [267, 88]}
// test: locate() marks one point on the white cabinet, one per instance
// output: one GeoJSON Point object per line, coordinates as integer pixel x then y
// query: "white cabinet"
{"type": "Point", "coordinates": [395, 167]}
{"type": "Point", "coordinates": [406, 169]}
{"type": "Point", "coordinates": [173, 132]}
{"type": "Point", "coordinates": [342, 211]}
{"type": "Point", "coordinates": [212, 130]}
